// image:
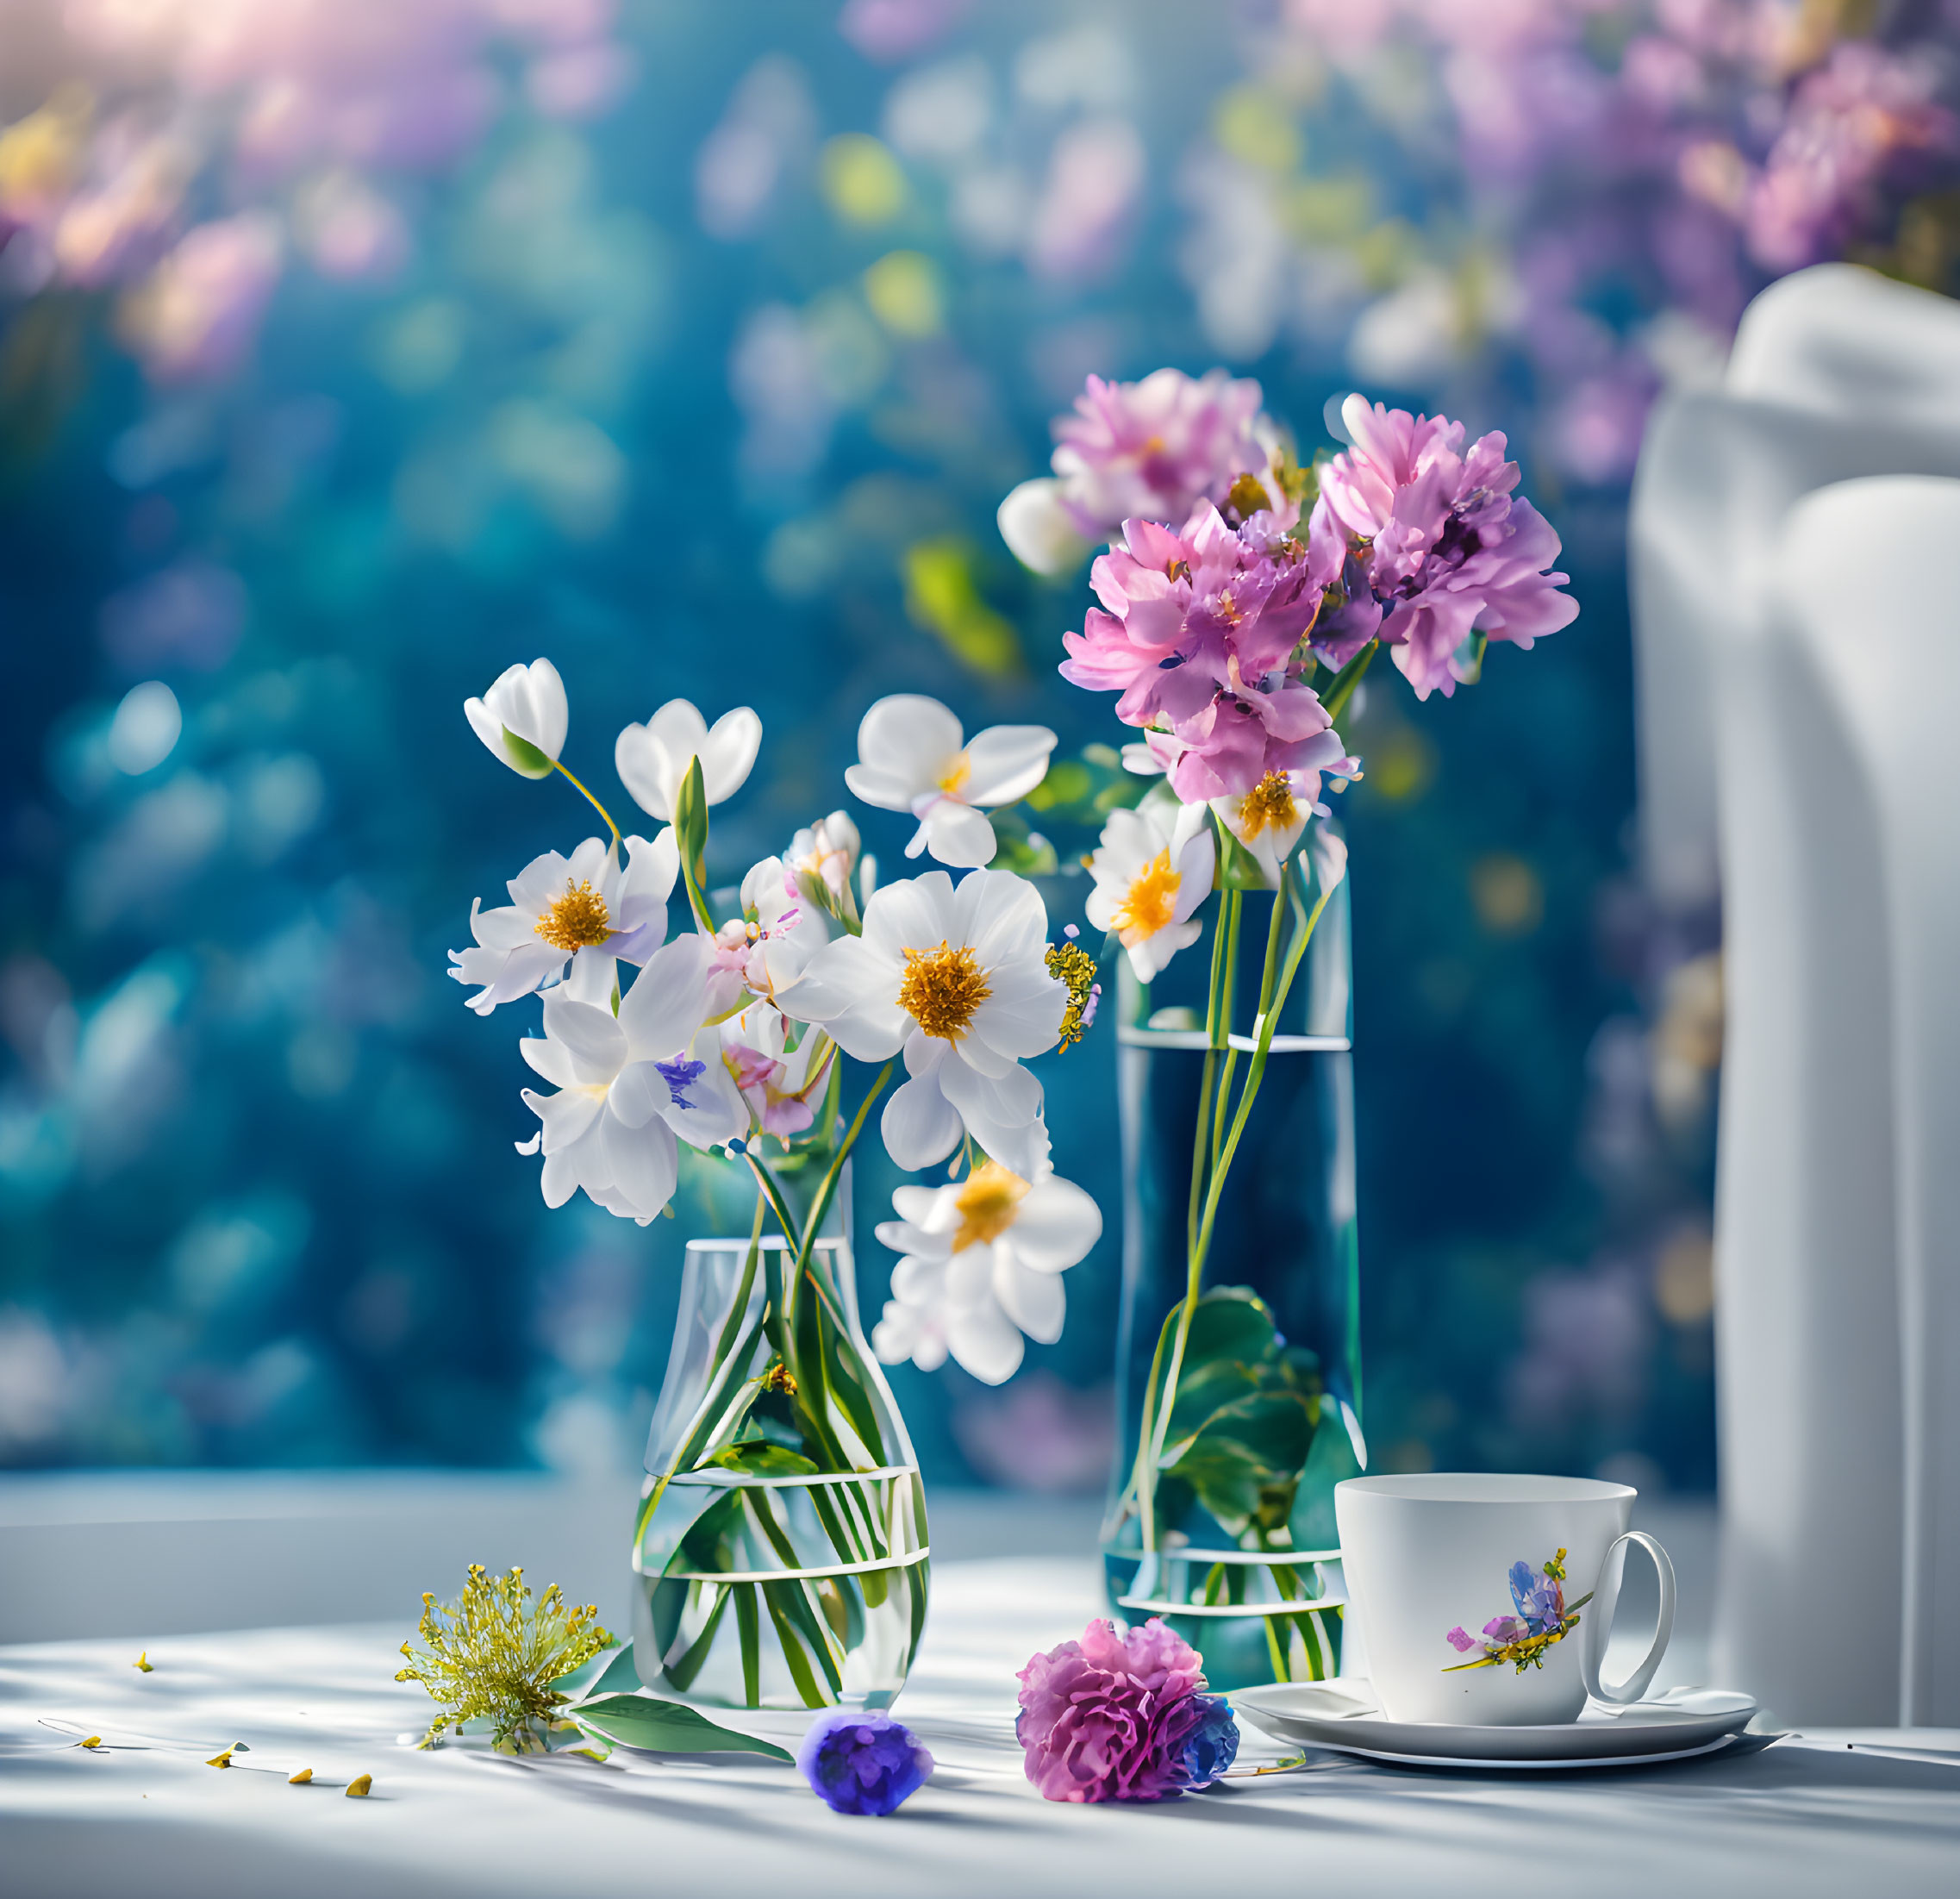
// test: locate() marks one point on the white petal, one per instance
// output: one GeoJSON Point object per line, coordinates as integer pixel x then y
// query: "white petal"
{"type": "Point", "coordinates": [727, 753]}
{"type": "Point", "coordinates": [1003, 1113]}
{"type": "Point", "coordinates": [538, 700]}
{"type": "Point", "coordinates": [662, 1010]}
{"type": "Point", "coordinates": [681, 732]}
{"type": "Point", "coordinates": [915, 1207]}
{"type": "Point", "coordinates": [639, 1094]}
{"type": "Point", "coordinates": [566, 1117]}
{"type": "Point", "coordinates": [919, 1125]}
{"type": "Point", "coordinates": [1055, 1225]}
{"type": "Point", "coordinates": [985, 1341]}
{"type": "Point", "coordinates": [1022, 1014]}
{"type": "Point", "coordinates": [1039, 530]}
{"type": "Point", "coordinates": [594, 1039]}
{"type": "Point", "coordinates": [911, 737]}
{"type": "Point", "coordinates": [592, 977]}
{"type": "Point", "coordinates": [550, 1059]}
{"type": "Point", "coordinates": [1196, 865]}
{"type": "Point", "coordinates": [651, 868]}
{"type": "Point", "coordinates": [1002, 916]}
{"type": "Point", "coordinates": [714, 1112]}
{"type": "Point", "coordinates": [1005, 762]}
{"type": "Point", "coordinates": [958, 834]}
{"type": "Point", "coordinates": [1034, 1301]}
{"type": "Point", "coordinates": [915, 913]}
{"type": "Point", "coordinates": [850, 990]}
{"type": "Point", "coordinates": [504, 928]}
{"type": "Point", "coordinates": [641, 764]}
{"type": "Point", "coordinates": [643, 1163]}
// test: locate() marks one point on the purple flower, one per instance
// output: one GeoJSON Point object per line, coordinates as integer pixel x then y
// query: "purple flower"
{"type": "Point", "coordinates": [1120, 1716]}
{"type": "Point", "coordinates": [1460, 1640]}
{"type": "Point", "coordinates": [1442, 544]}
{"type": "Point", "coordinates": [863, 1763]}
{"type": "Point", "coordinates": [1197, 631]}
{"type": "Point", "coordinates": [1155, 449]}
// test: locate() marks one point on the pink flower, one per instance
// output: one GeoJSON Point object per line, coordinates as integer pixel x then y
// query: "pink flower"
{"type": "Point", "coordinates": [1197, 631]}
{"type": "Point", "coordinates": [1120, 1716]}
{"type": "Point", "coordinates": [1440, 542]}
{"type": "Point", "coordinates": [1157, 449]}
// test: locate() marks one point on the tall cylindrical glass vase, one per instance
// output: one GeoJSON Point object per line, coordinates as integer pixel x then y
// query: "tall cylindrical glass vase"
{"type": "Point", "coordinates": [1224, 1523]}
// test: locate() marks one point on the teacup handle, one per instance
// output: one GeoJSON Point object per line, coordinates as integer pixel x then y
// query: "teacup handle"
{"type": "Point", "coordinates": [1599, 1624]}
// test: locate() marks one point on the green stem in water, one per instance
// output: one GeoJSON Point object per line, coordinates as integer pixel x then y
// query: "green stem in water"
{"type": "Point", "coordinates": [592, 801]}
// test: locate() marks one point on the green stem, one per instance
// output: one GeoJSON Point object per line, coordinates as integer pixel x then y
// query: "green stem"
{"type": "Point", "coordinates": [1349, 676]}
{"type": "Point", "coordinates": [697, 902]}
{"type": "Point", "coordinates": [593, 802]}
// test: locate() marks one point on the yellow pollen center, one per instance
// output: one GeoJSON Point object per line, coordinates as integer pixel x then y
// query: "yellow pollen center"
{"type": "Point", "coordinates": [578, 919]}
{"type": "Point", "coordinates": [1151, 903]}
{"type": "Point", "coordinates": [987, 1205]}
{"type": "Point", "coordinates": [942, 989]}
{"type": "Point", "coordinates": [1268, 805]}
{"type": "Point", "coordinates": [953, 780]}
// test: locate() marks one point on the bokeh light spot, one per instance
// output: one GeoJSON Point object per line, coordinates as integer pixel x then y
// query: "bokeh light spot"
{"type": "Point", "coordinates": [146, 728]}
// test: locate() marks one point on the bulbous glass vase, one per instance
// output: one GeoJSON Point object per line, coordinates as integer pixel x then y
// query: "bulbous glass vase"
{"type": "Point", "coordinates": [780, 1558]}
{"type": "Point", "coordinates": [1227, 1530]}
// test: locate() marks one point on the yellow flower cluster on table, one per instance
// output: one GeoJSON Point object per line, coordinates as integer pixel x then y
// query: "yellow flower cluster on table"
{"type": "Point", "coordinates": [493, 1656]}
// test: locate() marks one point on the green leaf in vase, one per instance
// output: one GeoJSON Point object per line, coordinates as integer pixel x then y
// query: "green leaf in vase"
{"type": "Point", "coordinates": [756, 1457]}
{"type": "Point", "coordinates": [1245, 1463]}
{"type": "Point", "coordinates": [666, 1728]}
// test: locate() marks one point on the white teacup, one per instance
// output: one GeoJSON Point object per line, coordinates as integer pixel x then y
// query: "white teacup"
{"type": "Point", "coordinates": [1429, 1567]}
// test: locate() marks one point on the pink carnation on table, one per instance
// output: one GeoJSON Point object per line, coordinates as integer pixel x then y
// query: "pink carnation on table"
{"type": "Point", "coordinates": [1120, 1716]}
{"type": "Point", "coordinates": [1448, 551]}
{"type": "Point", "coordinates": [1157, 449]}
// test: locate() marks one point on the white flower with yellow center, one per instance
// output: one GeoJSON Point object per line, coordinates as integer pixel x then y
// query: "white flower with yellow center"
{"type": "Point", "coordinates": [586, 909]}
{"type": "Point", "coordinates": [1152, 869]}
{"type": "Point", "coordinates": [956, 977]}
{"type": "Point", "coordinates": [628, 1087]}
{"type": "Point", "coordinates": [1270, 818]}
{"type": "Point", "coordinates": [652, 759]}
{"type": "Point", "coordinates": [912, 757]}
{"type": "Point", "coordinates": [981, 1265]}
{"type": "Point", "coordinates": [522, 718]}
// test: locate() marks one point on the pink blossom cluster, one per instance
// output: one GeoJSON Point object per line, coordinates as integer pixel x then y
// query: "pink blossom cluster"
{"type": "Point", "coordinates": [1122, 1715]}
{"type": "Point", "coordinates": [1155, 448]}
{"type": "Point", "coordinates": [1214, 633]}
{"type": "Point", "coordinates": [294, 112]}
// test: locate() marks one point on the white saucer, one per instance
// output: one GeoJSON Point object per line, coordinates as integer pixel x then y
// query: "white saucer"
{"type": "Point", "coordinates": [1343, 1715]}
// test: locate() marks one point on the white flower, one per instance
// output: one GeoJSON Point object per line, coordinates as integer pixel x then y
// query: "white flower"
{"type": "Point", "coordinates": [982, 1265]}
{"type": "Point", "coordinates": [1039, 530]}
{"type": "Point", "coordinates": [769, 945]}
{"type": "Point", "coordinates": [1270, 818]}
{"type": "Point", "coordinates": [527, 704]}
{"type": "Point", "coordinates": [628, 1087]}
{"type": "Point", "coordinates": [911, 757]}
{"type": "Point", "coordinates": [958, 980]}
{"type": "Point", "coordinates": [1152, 869]}
{"type": "Point", "coordinates": [775, 1080]}
{"type": "Point", "coordinates": [651, 759]}
{"type": "Point", "coordinates": [824, 857]}
{"type": "Point", "coordinates": [585, 908]}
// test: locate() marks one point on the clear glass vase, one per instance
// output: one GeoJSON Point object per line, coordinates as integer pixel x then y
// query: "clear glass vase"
{"type": "Point", "coordinates": [780, 1558]}
{"type": "Point", "coordinates": [1229, 1532]}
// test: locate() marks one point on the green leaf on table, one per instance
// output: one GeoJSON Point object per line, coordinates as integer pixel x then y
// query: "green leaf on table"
{"type": "Point", "coordinates": [666, 1728]}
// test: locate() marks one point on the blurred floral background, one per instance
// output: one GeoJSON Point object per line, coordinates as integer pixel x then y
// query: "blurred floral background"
{"type": "Point", "coordinates": [351, 351]}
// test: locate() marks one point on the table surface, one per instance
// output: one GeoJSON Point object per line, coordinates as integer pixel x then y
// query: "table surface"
{"type": "Point", "coordinates": [144, 1815]}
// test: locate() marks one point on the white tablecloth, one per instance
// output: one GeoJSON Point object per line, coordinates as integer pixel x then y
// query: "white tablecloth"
{"type": "Point", "coordinates": [151, 1821]}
